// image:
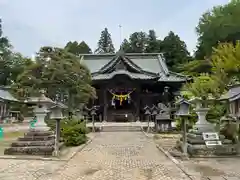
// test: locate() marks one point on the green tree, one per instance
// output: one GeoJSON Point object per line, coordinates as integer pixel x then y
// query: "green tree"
{"type": "Point", "coordinates": [175, 51]}
{"type": "Point", "coordinates": [77, 49]}
{"type": "Point", "coordinates": [153, 44]}
{"type": "Point", "coordinates": [7, 60]}
{"type": "Point", "coordinates": [226, 64]}
{"type": "Point", "coordinates": [220, 24]}
{"type": "Point", "coordinates": [138, 42]}
{"type": "Point", "coordinates": [105, 44]}
{"type": "Point", "coordinates": [125, 46]}
{"type": "Point", "coordinates": [60, 74]}
{"type": "Point", "coordinates": [196, 67]}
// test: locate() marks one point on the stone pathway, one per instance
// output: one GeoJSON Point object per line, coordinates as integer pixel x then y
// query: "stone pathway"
{"type": "Point", "coordinates": [119, 156]}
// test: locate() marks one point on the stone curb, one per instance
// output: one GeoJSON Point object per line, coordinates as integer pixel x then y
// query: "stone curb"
{"type": "Point", "coordinates": [174, 160]}
{"type": "Point", "coordinates": [50, 158]}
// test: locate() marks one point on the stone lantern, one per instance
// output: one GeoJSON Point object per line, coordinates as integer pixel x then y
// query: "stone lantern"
{"type": "Point", "coordinates": [56, 114]}
{"type": "Point", "coordinates": [147, 112]}
{"type": "Point", "coordinates": [154, 112]}
{"type": "Point", "coordinates": [183, 111]}
{"type": "Point", "coordinates": [183, 108]}
{"type": "Point", "coordinates": [93, 112]}
{"type": "Point", "coordinates": [41, 106]}
{"type": "Point", "coordinates": [202, 125]}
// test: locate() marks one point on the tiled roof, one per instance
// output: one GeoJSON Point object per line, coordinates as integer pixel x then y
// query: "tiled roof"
{"type": "Point", "coordinates": [232, 94]}
{"type": "Point", "coordinates": [5, 95]}
{"type": "Point", "coordinates": [122, 72]}
{"type": "Point", "coordinates": [143, 63]}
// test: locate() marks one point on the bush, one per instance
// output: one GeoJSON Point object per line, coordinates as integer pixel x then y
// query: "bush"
{"type": "Point", "coordinates": [73, 132]}
{"type": "Point", "coordinates": [74, 135]}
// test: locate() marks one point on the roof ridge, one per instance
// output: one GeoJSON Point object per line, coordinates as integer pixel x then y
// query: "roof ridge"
{"type": "Point", "coordinates": [127, 54]}
{"type": "Point", "coordinates": [117, 59]}
{"type": "Point", "coordinates": [132, 63]}
{"type": "Point", "coordinates": [163, 64]}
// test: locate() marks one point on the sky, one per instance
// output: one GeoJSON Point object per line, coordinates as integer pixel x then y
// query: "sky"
{"type": "Point", "coordinates": [30, 24]}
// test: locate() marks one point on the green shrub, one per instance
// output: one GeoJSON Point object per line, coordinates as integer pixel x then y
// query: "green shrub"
{"type": "Point", "coordinates": [72, 131]}
{"type": "Point", "coordinates": [74, 135]}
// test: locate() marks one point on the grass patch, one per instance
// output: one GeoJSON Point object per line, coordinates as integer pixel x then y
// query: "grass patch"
{"type": "Point", "coordinates": [12, 135]}
{"type": "Point", "coordinates": [8, 139]}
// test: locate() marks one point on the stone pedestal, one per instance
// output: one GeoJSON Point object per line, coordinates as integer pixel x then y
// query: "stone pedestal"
{"type": "Point", "coordinates": [39, 140]}
{"type": "Point", "coordinates": [196, 146]}
{"type": "Point", "coordinates": [40, 113]}
{"type": "Point", "coordinates": [33, 143]}
{"type": "Point", "coordinates": [202, 125]}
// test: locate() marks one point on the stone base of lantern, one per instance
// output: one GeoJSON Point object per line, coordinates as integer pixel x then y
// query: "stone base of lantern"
{"type": "Point", "coordinates": [34, 142]}
{"type": "Point", "coordinates": [196, 146]}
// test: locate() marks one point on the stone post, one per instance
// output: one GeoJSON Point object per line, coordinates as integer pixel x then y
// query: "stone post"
{"type": "Point", "coordinates": [57, 139]}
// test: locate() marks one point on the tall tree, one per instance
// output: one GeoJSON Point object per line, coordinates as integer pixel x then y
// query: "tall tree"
{"type": "Point", "coordinates": [175, 51]}
{"type": "Point", "coordinates": [105, 44]}
{"type": "Point", "coordinates": [138, 42]}
{"type": "Point", "coordinates": [75, 48]}
{"type": "Point", "coordinates": [59, 73]}
{"type": "Point", "coordinates": [6, 59]}
{"type": "Point", "coordinates": [221, 24]}
{"type": "Point", "coordinates": [153, 44]}
{"type": "Point", "coordinates": [125, 46]}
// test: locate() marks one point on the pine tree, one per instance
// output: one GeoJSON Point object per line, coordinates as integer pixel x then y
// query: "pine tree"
{"type": "Point", "coordinates": [105, 44]}
{"type": "Point", "coordinates": [125, 46]}
{"type": "Point", "coordinates": [78, 48]}
{"type": "Point", "coordinates": [153, 45]}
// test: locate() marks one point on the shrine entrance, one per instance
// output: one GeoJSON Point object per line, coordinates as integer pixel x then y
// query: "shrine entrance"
{"type": "Point", "coordinates": [122, 108]}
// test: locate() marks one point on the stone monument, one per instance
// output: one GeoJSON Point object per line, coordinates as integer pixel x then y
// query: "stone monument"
{"type": "Point", "coordinates": [39, 140]}
{"type": "Point", "coordinates": [203, 140]}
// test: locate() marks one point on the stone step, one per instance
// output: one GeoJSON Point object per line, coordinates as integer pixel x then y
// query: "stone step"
{"type": "Point", "coordinates": [32, 143]}
{"type": "Point", "coordinates": [120, 129]}
{"type": "Point", "coordinates": [39, 133]}
{"type": "Point", "coordinates": [36, 138]}
{"type": "Point", "coordinates": [32, 150]}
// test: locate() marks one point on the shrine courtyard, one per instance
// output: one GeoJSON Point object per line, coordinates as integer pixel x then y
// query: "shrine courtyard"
{"type": "Point", "coordinates": [120, 156]}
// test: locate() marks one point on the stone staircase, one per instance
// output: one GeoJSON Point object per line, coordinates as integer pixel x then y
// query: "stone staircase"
{"type": "Point", "coordinates": [120, 127]}
{"type": "Point", "coordinates": [33, 143]}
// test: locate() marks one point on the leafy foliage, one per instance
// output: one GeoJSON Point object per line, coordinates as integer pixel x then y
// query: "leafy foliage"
{"type": "Point", "coordinates": [74, 133]}
{"type": "Point", "coordinates": [153, 44]}
{"type": "Point", "coordinates": [196, 67]}
{"type": "Point", "coordinates": [105, 44]}
{"type": "Point", "coordinates": [221, 24]}
{"type": "Point", "coordinates": [175, 51]}
{"type": "Point", "coordinates": [60, 74]}
{"type": "Point", "coordinates": [202, 87]}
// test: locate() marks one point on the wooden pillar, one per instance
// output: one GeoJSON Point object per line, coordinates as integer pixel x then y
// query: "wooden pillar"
{"type": "Point", "coordinates": [105, 104]}
{"type": "Point", "coordinates": [138, 90]}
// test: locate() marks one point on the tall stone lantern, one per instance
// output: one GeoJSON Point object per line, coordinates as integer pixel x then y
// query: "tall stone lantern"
{"type": "Point", "coordinates": [183, 112]}
{"type": "Point", "coordinates": [147, 112]}
{"type": "Point", "coordinates": [202, 125]}
{"type": "Point", "coordinates": [57, 115]}
{"type": "Point", "coordinates": [41, 109]}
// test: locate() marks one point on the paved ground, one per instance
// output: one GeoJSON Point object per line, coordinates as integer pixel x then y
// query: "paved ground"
{"type": "Point", "coordinates": [214, 168]}
{"type": "Point", "coordinates": [120, 156]}
{"type": "Point", "coordinates": [111, 156]}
